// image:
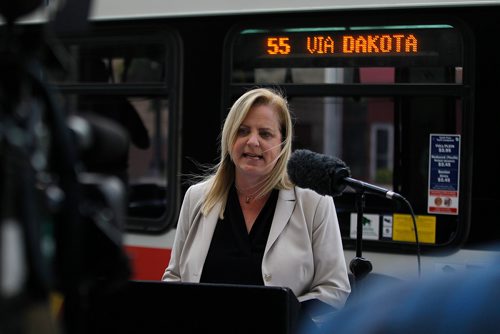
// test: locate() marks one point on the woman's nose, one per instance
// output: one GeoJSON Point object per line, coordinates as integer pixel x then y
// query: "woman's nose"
{"type": "Point", "coordinates": [253, 140]}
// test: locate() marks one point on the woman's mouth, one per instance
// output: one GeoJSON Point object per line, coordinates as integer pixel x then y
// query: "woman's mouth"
{"type": "Point", "coordinates": [252, 156]}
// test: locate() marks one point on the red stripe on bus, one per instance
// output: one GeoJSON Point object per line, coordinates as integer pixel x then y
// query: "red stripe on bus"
{"type": "Point", "coordinates": [148, 263]}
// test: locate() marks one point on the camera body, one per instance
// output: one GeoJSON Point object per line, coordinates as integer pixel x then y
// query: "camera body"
{"type": "Point", "coordinates": [69, 219]}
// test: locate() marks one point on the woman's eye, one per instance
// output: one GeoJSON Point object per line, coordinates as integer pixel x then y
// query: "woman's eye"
{"type": "Point", "coordinates": [242, 131]}
{"type": "Point", "coordinates": [266, 134]}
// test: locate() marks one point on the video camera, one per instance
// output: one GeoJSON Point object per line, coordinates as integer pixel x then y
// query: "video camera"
{"type": "Point", "coordinates": [61, 225]}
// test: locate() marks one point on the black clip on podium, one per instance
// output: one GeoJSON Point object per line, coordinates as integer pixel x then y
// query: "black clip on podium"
{"type": "Point", "coordinates": [359, 266]}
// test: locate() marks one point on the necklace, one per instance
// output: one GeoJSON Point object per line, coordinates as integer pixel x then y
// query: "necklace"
{"type": "Point", "coordinates": [248, 198]}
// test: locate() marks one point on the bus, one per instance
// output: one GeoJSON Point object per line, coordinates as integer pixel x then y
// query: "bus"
{"type": "Point", "coordinates": [403, 91]}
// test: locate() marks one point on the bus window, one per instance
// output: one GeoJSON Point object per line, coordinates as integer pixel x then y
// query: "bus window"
{"type": "Point", "coordinates": [131, 81]}
{"type": "Point", "coordinates": [372, 95]}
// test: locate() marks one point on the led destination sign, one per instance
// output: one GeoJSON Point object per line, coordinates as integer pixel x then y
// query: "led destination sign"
{"type": "Point", "coordinates": [345, 44]}
{"type": "Point", "coordinates": [409, 46]}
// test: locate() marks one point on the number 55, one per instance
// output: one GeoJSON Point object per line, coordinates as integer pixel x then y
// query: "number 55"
{"type": "Point", "coordinates": [278, 45]}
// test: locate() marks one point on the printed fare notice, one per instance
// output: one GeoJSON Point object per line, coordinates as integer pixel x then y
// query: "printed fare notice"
{"type": "Point", "coordinates": [444, 174]}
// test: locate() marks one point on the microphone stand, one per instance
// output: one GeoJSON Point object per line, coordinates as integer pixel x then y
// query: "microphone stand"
{"type": "Point", "coordinates": [359, 266]}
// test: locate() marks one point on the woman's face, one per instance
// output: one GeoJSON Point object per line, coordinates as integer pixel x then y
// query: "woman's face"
{"type": "Point", "coordinates": [258, 143]}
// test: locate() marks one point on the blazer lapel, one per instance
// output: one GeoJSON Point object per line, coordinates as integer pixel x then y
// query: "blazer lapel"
{"type": "Point", "coordinates": [206, 228]}
{"type": "Point", "coordinates": [282, 214]}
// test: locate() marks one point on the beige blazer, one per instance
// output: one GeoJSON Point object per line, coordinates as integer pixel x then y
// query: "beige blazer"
{"type": "Point", "coordinates": [303, 252]}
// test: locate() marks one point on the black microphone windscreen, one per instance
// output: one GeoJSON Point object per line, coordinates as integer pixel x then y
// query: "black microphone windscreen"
{"type": "Point", "coordinates": [101, 140]}
{"type": "Point", "coordinates": [319, 172]}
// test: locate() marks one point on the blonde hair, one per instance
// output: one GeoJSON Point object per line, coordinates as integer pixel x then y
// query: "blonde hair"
{"type": "Point", "coordinates": [223, 173]}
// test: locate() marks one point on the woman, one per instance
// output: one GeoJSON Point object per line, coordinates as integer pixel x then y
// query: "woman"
{"type": "Point", "coordinates": [246, 223]}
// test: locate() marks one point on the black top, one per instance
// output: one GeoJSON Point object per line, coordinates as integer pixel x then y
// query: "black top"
{"type": "Point", "coordinates": [235, 256]}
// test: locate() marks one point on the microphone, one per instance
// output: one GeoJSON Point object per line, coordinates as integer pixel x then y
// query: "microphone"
{"type": "Point", "coordinates": [100, 140]}
{"type": "Point", "coordinates": [328, 175]}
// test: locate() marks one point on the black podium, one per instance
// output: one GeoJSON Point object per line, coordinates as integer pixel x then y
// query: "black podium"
{"type": "Point", "coordinates": [161, 307]}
